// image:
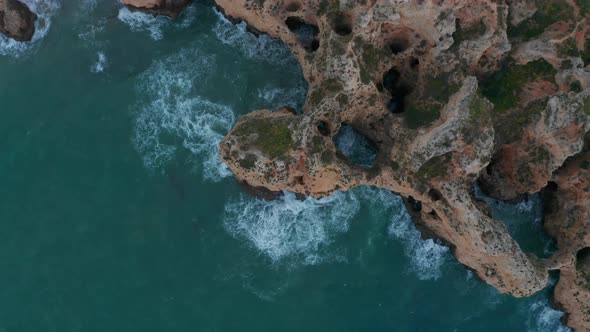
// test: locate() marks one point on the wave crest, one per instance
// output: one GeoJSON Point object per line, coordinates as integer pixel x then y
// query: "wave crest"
{"type": "Point", "coordinates": [291, 228]}
{"type": "Point", "coordinates": [427, 257]}
{"type": "Point", "coordinates": [171, 108]}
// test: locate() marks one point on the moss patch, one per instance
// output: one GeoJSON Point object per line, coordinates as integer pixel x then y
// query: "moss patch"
{"type": "Point", "coordinates": [503, 87]}
{"type": "Point", "coordinates": [421, 113]}
{"type": "Point", "coordinates": [330, 86]}
{"type": "Point", "coordinates": [273, 138]}
{"type": "Point", "coordinates": [508, 125]}
{"type": "Point", "coordinates": [548, 13]}
{"type": "Point", "coordinates": [468, 32]}
{"type": "Point", "coordinates": [249, 162]}
{"type": "Point", "coordinates": [440, 88]}
{"type": "Point", "coordinates": [371, 58]}
{"type": "Point", "coordinates": [568, 48]}
{"type": "Point", "coordinates": [587, 106]}
{"type": "Point", "coordinates": [435, 167]}
{"type": "Point", "coordinates": [584, 7]}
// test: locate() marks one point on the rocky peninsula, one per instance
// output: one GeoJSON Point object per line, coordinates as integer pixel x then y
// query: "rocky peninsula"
{"type": "Point", "coordinates": [446, 94]}
{"type": "Point", "coordinates": [442, 96]}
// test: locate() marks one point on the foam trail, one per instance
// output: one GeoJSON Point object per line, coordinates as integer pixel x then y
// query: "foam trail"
{"type": "Point", "coordinates": [543, 318]}
{"type": "Point", "coordinates": [45, 9]}
{"type": "Point", "coordinates": [155, 26]}
{"type": "Point", "coordinates": [290, 228]}
{"type": "Point", "coordinates": [426, 256]}
{"type": "Point", "coordinates": [261, 48]}
{"type": "Point", "coordinates": [171, 108]}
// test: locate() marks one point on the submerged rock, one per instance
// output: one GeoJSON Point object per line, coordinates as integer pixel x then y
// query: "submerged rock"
{"type": "Point", "coordinates": [170, 8]}
{"type": "Point", "coordinates": [17, 21]}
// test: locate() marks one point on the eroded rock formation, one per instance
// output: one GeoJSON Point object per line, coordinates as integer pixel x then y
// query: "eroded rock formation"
{"type": "Point", "coordinates": [17, 21]}
{"type": "Point", "coordinates": [448, 93]}
{"type": "Point", "coordinates": [567, 219]}
{"type": "Point", "coordinates": [170, 8]}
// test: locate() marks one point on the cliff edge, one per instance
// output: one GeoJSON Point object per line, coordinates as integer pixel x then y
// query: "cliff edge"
{"type": "Point", "coordinates": [427, 98]}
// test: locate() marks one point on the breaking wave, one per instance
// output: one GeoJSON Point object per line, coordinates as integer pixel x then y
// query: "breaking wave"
{"type": "Point", "coordinates": [261, 48]}
{"type": "Point", "coordinates": [543, 318]}
{"type": "Point", "coordinates": [291, 228]}
{"type": "Point", "coordinates": [155, 26]}
{"type": "Point", "coordinates": [171, 108]}
{"type": "Point", "coordinates": [426, 256]}
{"type": "Point", "coordinates": [45, 9]}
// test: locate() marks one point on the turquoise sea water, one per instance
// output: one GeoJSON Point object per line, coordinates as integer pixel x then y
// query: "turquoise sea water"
{"type": "Point", "coordinates": [117, 215]}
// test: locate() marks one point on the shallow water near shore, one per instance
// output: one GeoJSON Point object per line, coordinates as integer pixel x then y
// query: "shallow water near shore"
{"type": "Point", "coordinates": [117, 214]}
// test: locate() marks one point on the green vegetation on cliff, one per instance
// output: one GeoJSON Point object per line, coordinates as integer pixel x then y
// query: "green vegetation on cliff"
{"type": "Point", "coordinates": [272, 136]}
{"type": "Point", "coordinates": [548, 12]}
{"type": "Point", "coordinates": [503, 87]}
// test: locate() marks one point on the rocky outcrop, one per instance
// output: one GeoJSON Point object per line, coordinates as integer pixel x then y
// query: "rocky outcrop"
{"type": "Point", "coordinates": [567, 220]}
{"type": "Point", "coordinates": [17, 21]}
{"type": "Point", "coordinates": [170, 8]}
{"type": "Point", "coordinates": [447, 93]}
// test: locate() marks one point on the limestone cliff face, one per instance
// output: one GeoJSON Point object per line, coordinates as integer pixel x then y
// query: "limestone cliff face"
{"type": "Point", "coordinates": [567, 220]}
{"type": "Point", "coordinates": [17, 21]}
{"type": "Point", "coordinates": [447, 93]}
{"type": "Point", "coordinates": [169, 8]}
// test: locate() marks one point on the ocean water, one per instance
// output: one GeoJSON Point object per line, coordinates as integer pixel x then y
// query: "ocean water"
{"type": "Point", "coordinates": [117, 214]}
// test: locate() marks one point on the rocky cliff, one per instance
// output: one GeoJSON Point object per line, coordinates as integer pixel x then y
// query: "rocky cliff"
{"type": "Point", "coordinates": [17, 21]}
{"type": "Point", "coordinates": [426, 98]}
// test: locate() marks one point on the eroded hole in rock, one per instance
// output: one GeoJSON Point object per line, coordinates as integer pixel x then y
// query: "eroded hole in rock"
{"type": "Point", "coordinates": [398, 45]}
{"type": "Point", "coordinates": [299, 180]}
{"type": "Point", "coordinates": [397, 90]}
{"type": "Point", "coordinates": [434, 194]}
{"type": "Point", "coordinates": [415, 204]}
{"type": "Point", "coordinates": [355, 146]}
{"type": "Point", "coordinates": [391, 79]}
{"type": "Point", "coordinates": [583, 261]}
{"type": "Point", "coordinates": [552, 186]}
{"type": "Point", "coordinates": [293, 6]}
{"type": "Point", "coordinates": [323, 128]}
{"type": "Point", "coordinates": [307, 33]}
{"type": "Point", "coordinates": [342, 25]}
{"type": "Point", "coordinates": [414, 63]}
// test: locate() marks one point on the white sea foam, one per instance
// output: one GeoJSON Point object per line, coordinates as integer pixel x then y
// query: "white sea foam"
{"type": "Point", "coordinates": [171, 107]}
{"type": "Point", "coordinates": [261, 48]}
{"type": "Point", "coordinates": [139, 22]}
{"type": "Point", "coordinates": [45, 9]}
{"type": "Point", "coordinates": [543, 318]}
{"type": "Point", "coordinates": [290, 228]}
{"type": "Point", "coordinates": [155, 26]}
{"type": "Point", "coordinates": [426, 256]}
{"type": "Point", "coordinates": [100, 64]}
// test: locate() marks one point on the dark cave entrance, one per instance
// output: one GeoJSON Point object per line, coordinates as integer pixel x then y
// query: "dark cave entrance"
{"type": "Point", "coordinates": [307, 33]}
{"type": "Point", "coordinates": [398, 91]}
